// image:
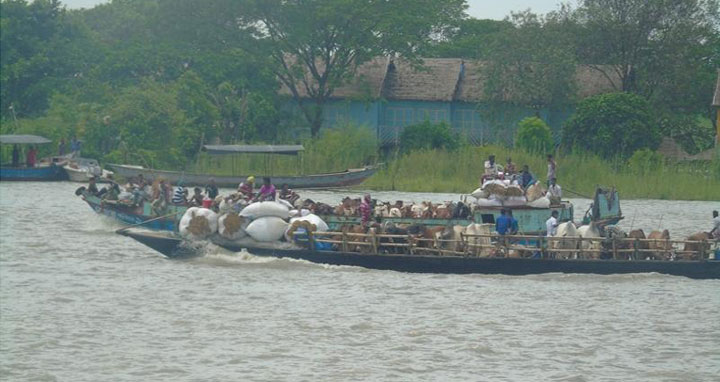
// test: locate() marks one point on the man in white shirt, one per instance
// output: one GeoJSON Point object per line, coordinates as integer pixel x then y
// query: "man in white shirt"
{"type": "Point", "coordinates": [554, 192]}
{"type": "Point", "coordinates": [552, 224]}
{"type": "Point", "coordinates": [715, 232]}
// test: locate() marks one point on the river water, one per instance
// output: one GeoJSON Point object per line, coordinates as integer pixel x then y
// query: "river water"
{"type": "Point", "coordinates": [80, 303]}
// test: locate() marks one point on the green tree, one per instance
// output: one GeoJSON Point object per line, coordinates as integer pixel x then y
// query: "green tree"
{"type": "Point", "coordinates": [428, 135]}
{"type": "Point", "coordinates": [317, 44]}
{"type": "Point", "coordinates": [470, 38]}
{"type": "Point", "coordinates": [613, 124]}
{"type": "Point", "coordinates": [534, 136]}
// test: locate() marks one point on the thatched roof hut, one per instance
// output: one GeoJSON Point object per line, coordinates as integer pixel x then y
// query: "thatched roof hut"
{"type": "Point", "coordinates": [437, 80]}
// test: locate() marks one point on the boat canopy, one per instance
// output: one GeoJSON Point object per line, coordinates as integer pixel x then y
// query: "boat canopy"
{"type": "Point", "coordinates": [23, 139]}
{"type": "Point", "coordinates": [254, 149]}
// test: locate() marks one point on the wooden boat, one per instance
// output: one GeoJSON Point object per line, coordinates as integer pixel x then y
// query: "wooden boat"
{"type": "Point", "coordinates": [47, 169]}
{"type": "Point", "coordinates": [419, 262]}
{"type": "Point", "coordinates": [135, 215]}
{"type": "Point", "coordinates": [345, 178]}
{"type": "Point", "coordinates": [82, 169]}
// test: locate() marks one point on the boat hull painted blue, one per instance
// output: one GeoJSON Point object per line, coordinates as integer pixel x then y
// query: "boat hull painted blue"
{"type": "Point", "coordinates": [133, 215]}
{"type": "Point", "coordinates": [45, 173]}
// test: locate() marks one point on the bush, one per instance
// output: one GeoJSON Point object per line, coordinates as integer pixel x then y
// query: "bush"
{"type": "Point", "coordinates": [534, 136]}
{"type": "Point", "coordinates": [613, 124]}
{"type": "Point", "coordinates": [427, 135]}
{"type": "Point", "coordinates": [645, 161]}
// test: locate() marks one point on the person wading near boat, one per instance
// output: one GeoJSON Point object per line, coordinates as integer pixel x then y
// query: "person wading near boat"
{"type": "Point", "coordinates": [246, 189]}
{"type": "Point", "coordinates": [552, 167]}
{"type": "Point", "coordinates": [502, 224]}
{"type": "Point", "coordinates": [211, 189]}
{"type": "Point", "coordinates": [365, 211]}
{"type": "Point", "coordinates": [551, 224]}
{"type": "Point", "coordinates": [554, 192]}
{"type": "Point", "coordinates": [715, 232]}
{"type": "Point", "coordinates": [15, 156]}
{"type": "Point", "coordinates": [31, 157]}
{"type": "Point", "coordinates": [267, 191]}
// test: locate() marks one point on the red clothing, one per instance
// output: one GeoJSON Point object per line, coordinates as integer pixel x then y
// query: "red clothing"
{"type": "Point", "coordinates": [365, 211]}
{"type": "Point", "coordinates": [31, 158]}
{"type": "Point", "coordinates": [247, 190]}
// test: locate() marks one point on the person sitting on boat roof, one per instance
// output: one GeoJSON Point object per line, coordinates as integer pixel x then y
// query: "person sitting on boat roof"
{"type": "Point", "coordinates": [180, 196]}
{"type": "Point", "coordinates": [492, 169]}
{"type": "Point", "coordinates": [246, 189]}
{"type": "Point", "coordinates": [16, 156]}
{"type": "Point", "coordinates": [551, 224]}
{"type": "Point", "coordinates": [286, 193]}
{"type": "Point", "coordinates": [267, 191]}
{"type": "Point", "coordinates": [510, 167]}
{"type": "Point", "coordinates": [715, 232]}
{"type": "Point", "coordinates": [211, 189]}
{"type": "Point", "coordinates": [365, 210]}
{"type": "Point", "coordinates": [554, 192]}
{"type": "Point", "coordinates": [526, 178]}
{"type": "Point", "coordinates": [197, 198]}
{"type": "Point", "coordinates": [502, 224]}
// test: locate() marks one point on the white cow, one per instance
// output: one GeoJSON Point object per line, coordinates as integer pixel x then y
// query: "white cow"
{"type": "Point", "coordinates": [590, 231]}
{"type": "Point", "coordinates": [479, 229]}
{"type": "Point", "coordinates": [568, 234]}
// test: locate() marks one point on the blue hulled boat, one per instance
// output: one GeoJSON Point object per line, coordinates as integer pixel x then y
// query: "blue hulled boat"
{"type": "Point", "coordinates": [46, 170]}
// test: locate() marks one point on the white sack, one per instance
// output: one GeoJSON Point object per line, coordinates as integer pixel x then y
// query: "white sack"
{"type": "Point", "coordinates": [542, 202]}
{"type": "Point", "coordinates": [492, 202]}
{"type": "Point", "coordinates": [320, 225]}
{"type": "Point", "coordinates": [285, 203]}
{"type": "Point", "coordinates": [514, 201]}
{"type": "Point", "coordinates": [263, 209]}
{"type": "Point", "coordinates": [232, 227]}
{"type": "Point", "coordinates": [198, 223]}
{"type": "Point", "coordinates": [269, 228]}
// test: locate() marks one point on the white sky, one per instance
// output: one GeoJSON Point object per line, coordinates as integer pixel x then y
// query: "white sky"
{"type": "Point", "coordinates": [480, 9]}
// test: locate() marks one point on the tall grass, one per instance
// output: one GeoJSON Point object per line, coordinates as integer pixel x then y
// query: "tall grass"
{"type": "Point", "coordinates": [460, 171]}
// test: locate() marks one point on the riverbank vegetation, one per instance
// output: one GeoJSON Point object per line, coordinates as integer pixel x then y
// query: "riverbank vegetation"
{"type": "Point", "coordinates": [149, 82]}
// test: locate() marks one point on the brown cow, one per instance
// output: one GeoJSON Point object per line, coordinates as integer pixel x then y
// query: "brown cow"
{"type": "Point", "coordinates": [661, 245]}
{"type": "Point", "coordinates": [693, 251]}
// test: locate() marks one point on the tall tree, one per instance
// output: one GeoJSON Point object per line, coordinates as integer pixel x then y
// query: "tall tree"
{"type": "Point", "coordinates": [317, 44]}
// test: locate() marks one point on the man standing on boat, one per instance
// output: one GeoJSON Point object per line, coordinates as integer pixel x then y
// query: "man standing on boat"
{"type": "Point", "coordinates": [552, 166]}
{"type": "Point", "coordinates": [503, 223]}
{"type": "Point", "coordinates": [715, 233]}
{"type": "Point", "coordinates": [15, 156]}
{"type": "Point", "coordinates": [551, 224]}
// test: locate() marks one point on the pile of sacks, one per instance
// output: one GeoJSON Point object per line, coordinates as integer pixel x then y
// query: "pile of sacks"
{"type": "Point", "coordinates": [260, 221]}
{"type": "Point", "coordinates": [504, 193]}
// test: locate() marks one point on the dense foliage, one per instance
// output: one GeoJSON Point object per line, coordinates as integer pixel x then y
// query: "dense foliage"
{"type": "Point", "coordinates": [612, 124]}
{"type": "Point", "coordinates": [534, 136]}
{"type": "Point", "coordinates": [428, 135]}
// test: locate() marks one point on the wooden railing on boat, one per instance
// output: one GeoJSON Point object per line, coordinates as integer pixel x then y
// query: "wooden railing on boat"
{"type": "Point", "coordinates": [494, 245]}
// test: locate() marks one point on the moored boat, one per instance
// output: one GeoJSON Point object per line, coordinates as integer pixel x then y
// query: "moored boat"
{"type": "Point", "coordinates": [47, 169]}
{"type": "Point", "coordinates": [82, 169]}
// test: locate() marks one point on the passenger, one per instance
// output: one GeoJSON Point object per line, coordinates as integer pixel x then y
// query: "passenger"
{"type": "Point", "coordinates": [211, 189]}
{"type": "Point", "coordinates": [715, 232]}
{"type": "Point", "coordinates": [554, 192]}
{"type": "Point", "coordinates": [514, 228]}
{"type": "Point", "coordinates": [15, 156]}
{"type": "Point", "coordinates": [510, 167]}
{"type": "Point", "coordinates": [286, 193]}
{"type": "Point", "coordinates": [161, 193]}
{"type": "Point", "coordinates": [197, 198]}
{"type": "Point", "coordinates": [365, 210]}
{"type": "Point", "coordinates": [552, 166]}
{"type": "Point", "coordinates": [140, 182]}
{"type": "Point", "coordinates": [31, 157]}
{"type": "Point", "coordinates": [75, 147]}
{"type": "Point", "coordinates": [180, 196]}
{"type": "Point", "coordinates": [526, 178]}
{"type": "Point", "coordinates": [246, 189]}
{"type": "Point", "coordinates": [112, 192]}
{"type": "Point", "coordinates": [552, 223]}
{"type": "Point", "coordinates": [92, 187]}
{"type": "Point", "coordinates": [491, 169]}
{"type": "Point", "coordinates": [502, 224]}
{"type": "Point", "coordinates": [267, 191]}
{"type": "Point", "coordinates": [61, 147]}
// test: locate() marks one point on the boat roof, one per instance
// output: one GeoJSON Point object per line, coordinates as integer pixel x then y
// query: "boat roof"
{"type": "Point", "coordinates": [23, 139]}
{"type": "Point", "coordinates": [254, 149]}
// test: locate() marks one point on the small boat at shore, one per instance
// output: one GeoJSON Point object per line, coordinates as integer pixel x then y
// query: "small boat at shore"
{"type": "Point", "coordinates": [82, 169]}
{"type": "Point", "coordinates": [47, 169]}
{"type": "Point", "coordinates": [419, 261]}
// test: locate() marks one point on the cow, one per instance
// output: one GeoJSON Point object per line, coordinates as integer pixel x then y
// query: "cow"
{"type": "Point", "coordinates": [442, 211]}
{"type": "Point", "coordinates": [461, 211]}
{"type": "Point", "coordinates": [692, 251]}
{"type": "Point", "coordinates": [660, 245]}
{"type": "Point", "coordinates": [567, 234]}
{"type": "Point", "coordinates": [473, 242]}
{"type": "Point", "coordinates": [590, 248]}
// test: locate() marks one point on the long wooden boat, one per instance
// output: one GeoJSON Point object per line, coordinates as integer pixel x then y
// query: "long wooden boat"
{"type": "Point", "coordinates": [47, 169]}
{"type": "Point", "coordinates": [171, 246]}
{"type": "Point", "coordinates": [346, 178]}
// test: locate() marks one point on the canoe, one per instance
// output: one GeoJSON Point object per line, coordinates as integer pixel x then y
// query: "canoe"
{"type": "Point", "coordinates": [172, 247]}
{"type": "Point", "coordinates": [346, 178]}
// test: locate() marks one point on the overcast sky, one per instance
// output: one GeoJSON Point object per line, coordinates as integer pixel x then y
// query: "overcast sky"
{"type": "Point", "coordinates": [481, 9]}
